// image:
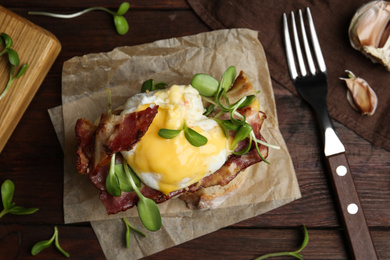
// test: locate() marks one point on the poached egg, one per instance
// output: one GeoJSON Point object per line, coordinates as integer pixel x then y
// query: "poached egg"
{"type": "Point", "coordinates": [168, 165]}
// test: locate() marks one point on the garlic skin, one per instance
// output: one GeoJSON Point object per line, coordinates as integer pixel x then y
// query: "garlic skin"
{"type": "Point", "coordinates": [369, 31]}
{"type": "Point", "coordinates": [360, 95]}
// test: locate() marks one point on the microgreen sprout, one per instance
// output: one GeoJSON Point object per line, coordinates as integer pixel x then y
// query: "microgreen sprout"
{"type": "Point", "coordinates": [7, 194]}
{"type": "Point", "coordinates": [208, 85]}
{"type": "Point", "coordinates": [128, 228]}
{"type": "Point", "coordinates": [13, 59]}
{"type": "Point", "coordinates": [217, 97]}
{"type": "Point", "coordinates": [118, 179]}
{"type": "Point", "coordinates": [149, 85]}
{"type": "Point", "coordinates": [190, 134]}
{"type": "Point", "coordinates": [121, 25]}
{"type": "Point", "coordinates": [38, 247]}
{"type": "Point", "coordinates": [294, 254]}
{"type": "Point", "coordinates": [112, 182]}
{"type": "Point", "coordinates": [148, 211]}
{"type": "Point", "coordinates": [121, 177]}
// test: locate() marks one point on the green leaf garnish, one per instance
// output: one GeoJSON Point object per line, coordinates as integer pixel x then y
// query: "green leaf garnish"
{"type": "Point", "coordinates": [13, 59]}
{"type": "Point", "coordinates": [7, 194]}
{"type": "Point", "coordinates": [224, 128]}
{"type": "Point", "coordinates": [16, 210]}
{"type": "Point", "coordinates": [128, 228]}
{"type": "Point", "coordinates": [230, 125]}
{"type": "Point", "coordinates": [224, 85]}
{"type": "Point", "coordinates": [294, 253]}
{"type": "Point", "coordinates": [149, 85]}
{"type": "Point", "coordinates": [206, 85]}
{"type": "Point", "coordinates": [124, 178]}
{"type": "Point", "coordinates": [242, 133]}
{"type": "Point", "coordinates": [123, 8]}
{"type": "Point", "coordinates": [21, 71]}
{"type": "Point", "coordinates": [120, 178]}
{"type": "Point", "coordinates": [248, 100]}
{"type": "Point", "coordinates": [7, 41]}
{"type": "Point", "coordinates": [38, 247]}
{"type": "Point", "coordinates": [121, 25]}
{"type": "Point", "coordinates": [112, 183]}
{"type": "Point", "coordinates": [160, 85]}
{"type": "Point", "coordinates": [228, 78]}
{"type": "Point", "coordinates": [148, 211]}
{"type": "Point", "coordinates": [246, 149]}
{"type": "Point", "coordinates": [168, 133]}
{"type": "Point", "coordinates": [209, 110]}
{"type": "Point", "coordinates": [194, 137]}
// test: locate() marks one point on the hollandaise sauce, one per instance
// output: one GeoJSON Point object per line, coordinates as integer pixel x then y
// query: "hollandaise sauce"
{"type": "Point", "coordinates": [172, 164]}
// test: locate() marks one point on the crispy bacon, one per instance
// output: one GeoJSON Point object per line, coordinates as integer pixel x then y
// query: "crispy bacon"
{"type": "Point", "coordinates": [84, 134]}
{"type": "Point", "coordinates": [97, 144]}
{"type": "Point", "coordinates": [129, 130]}
{"type": "Point", "coordinates": [118, 133]}
{"type": "Point", "coordinates": [114, 204]}
{"type": "Point", "coordinates": [128, 200]}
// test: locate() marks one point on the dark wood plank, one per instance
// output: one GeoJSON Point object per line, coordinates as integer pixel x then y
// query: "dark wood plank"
{"type": "Point", "coordinates": [224, 244]}
{"type": "Point", "coordinates": [69, 239]}
{"type": "Point", "coordinates": [251, 243]}
{"type": "Point", "coordinates": [72, 5]}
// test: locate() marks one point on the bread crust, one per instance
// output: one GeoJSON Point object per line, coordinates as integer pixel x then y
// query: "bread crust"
{"type": "Point", "coordinates": [212, 197]}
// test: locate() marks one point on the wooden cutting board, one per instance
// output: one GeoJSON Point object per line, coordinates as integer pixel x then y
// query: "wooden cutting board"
{"type": "Point", "coordinates": [36, 47]}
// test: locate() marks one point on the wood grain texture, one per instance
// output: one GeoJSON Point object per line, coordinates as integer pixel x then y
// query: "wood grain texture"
{"type": "Point", "coordinates": [36, 47]}
{"type": "Point", "coordinates": [352, 213]}
{"type": "Point", "coordinates": [33, 158]}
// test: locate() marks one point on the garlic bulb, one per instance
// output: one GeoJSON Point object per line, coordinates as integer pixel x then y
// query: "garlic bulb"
{"type": "Point", "coordinates": [360, 95]}
{"type": "Point", "coordinates": [369, 31]}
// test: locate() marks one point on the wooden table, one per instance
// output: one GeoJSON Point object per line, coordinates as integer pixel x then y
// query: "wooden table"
{"type": "Point", "coordinates": [33, 157]}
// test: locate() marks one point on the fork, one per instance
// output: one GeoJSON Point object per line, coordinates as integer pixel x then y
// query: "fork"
{"type": "Point", "coordinates": [313, 87]}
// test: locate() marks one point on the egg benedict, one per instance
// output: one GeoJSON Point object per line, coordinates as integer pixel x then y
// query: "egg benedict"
{"type": "Point", "coordinates": [181, 141]}
{"type": "Point", "coordinates": [168, 165]}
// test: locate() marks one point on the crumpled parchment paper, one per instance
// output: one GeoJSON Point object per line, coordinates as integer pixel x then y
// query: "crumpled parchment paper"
{"type": "Point", "coordinates": [174, 61]}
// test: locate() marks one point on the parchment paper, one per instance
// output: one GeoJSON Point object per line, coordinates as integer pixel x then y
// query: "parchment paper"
{"type": "Point", "coordinates": [175, 61]}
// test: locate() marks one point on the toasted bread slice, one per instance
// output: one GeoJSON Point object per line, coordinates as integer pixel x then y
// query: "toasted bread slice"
{"type": "Point", "coordinates": [212, 197]}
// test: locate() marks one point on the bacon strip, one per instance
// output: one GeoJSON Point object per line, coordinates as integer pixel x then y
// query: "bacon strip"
{"type": "Point", "coordinates": [128, 200]}
{"type": "Point", "coordinates": [84, 134]}
{"type": "Point", "coordinates": [97, 144]}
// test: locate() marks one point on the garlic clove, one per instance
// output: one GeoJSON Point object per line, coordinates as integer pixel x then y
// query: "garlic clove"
{"type": "Point", "coordinates": [360, 95]}
{"type": "Point", "coordinates": [369, 31]}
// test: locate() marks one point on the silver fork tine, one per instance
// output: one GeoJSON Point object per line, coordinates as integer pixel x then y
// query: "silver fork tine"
{"type": "Point", "coordinates": [289, 52]}
{"type": "Point", "coordinates": [301, 63]}
{"type": "Point", "coordinates": [316, 44]}
{"type": "Point", "coordinates": [309, 57]}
